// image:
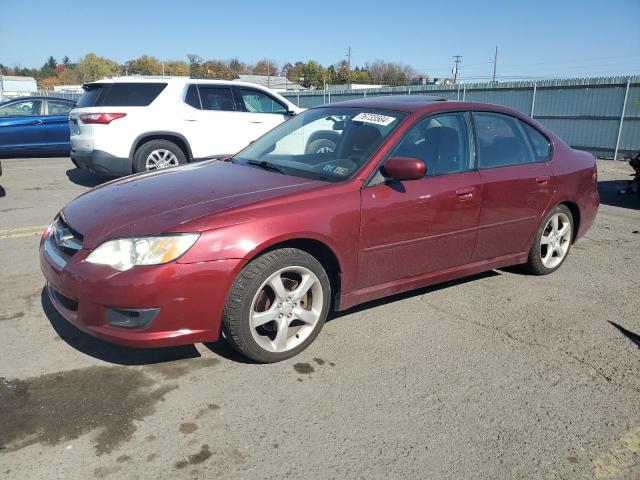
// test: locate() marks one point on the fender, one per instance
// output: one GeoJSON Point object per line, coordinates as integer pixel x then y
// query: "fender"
{"type": "Point", "coordinates": [160, 133]}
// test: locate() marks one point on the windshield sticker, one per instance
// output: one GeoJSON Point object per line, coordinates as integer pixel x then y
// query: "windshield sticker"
{"type": "Point", "coordinates": [336, 170]}
{"type": "Point", "coordinates": [374, 118]}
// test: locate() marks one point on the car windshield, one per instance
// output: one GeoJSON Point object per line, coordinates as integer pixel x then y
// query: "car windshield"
{"type": "Point", "coordinates": [327, 143]}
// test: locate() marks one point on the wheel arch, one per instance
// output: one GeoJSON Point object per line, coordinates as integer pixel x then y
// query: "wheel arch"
{"type": "Point", "coordinates": [575, 213]}
{"type": "Point", "coordinates": [317, 249]}
{"type": "Point", "coordinates": [174, 137]}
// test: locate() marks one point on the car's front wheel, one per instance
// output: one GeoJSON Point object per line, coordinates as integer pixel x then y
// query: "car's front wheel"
{"type": "Point", "coordinates": [552, 242]}
{"type": "Point", "coordinates": [277, 305]}
{"type": "Point", "coordinates": [157, 155]}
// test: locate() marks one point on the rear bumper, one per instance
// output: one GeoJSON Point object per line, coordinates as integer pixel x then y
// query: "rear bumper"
{"type": "Point", "coordinates": [187, 299]}
{"type": "Point", "coordinates": [100, 161]}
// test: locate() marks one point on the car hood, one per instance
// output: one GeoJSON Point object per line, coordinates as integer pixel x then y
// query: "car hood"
{"type": "Point", "coordinates": [162, 201]}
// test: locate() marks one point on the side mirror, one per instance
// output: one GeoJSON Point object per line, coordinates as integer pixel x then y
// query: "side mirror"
{"type": "Point", "coordinates": [404, 168]}
{"type": "Point", "coordinates": [292, 113]}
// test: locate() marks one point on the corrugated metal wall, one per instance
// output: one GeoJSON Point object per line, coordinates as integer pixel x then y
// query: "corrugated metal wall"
{"type": "Point", "coordinates": [585, 112]}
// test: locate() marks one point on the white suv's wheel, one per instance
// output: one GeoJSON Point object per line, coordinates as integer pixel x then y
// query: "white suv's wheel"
{"type": "Point", "coordinates": [156, 155]}
{"type": "Point", "coordinates": [277, 305]}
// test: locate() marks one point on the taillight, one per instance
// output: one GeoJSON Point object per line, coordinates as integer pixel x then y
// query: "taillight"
{"type": "Point", "coordinates": [101, 118]}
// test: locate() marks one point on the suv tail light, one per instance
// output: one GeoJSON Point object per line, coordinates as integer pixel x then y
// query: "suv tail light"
{"type": "Point", "coordinates": [101, 118]}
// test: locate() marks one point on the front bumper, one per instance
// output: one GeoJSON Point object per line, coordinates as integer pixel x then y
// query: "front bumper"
{"type": "Point", "coordinates": [101, 162]}
{"type": "Point", "coordinates": [189, 297]}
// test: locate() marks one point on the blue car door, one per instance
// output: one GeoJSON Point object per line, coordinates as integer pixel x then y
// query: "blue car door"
{"type": "Point", "coordinates": [21, 125]}
{"type": "Point", "coordinates": [56, 123]}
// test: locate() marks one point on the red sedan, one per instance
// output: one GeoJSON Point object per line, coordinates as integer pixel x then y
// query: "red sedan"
{"type": "Point", "coordinates": [395, 193]}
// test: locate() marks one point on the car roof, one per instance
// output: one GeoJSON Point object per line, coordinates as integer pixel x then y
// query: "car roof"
{"type": "Point", "coordinates": [173, 79]}
{"type": "Point", "coordinates": [36, 97]}
{"type": "Point", "coordinates": [418, 103]}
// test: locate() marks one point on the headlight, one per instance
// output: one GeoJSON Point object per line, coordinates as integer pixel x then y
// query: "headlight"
{"type": "Point", "coordinates": [125, 253]}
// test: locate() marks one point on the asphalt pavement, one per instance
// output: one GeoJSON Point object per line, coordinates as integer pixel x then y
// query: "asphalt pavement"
{"type": "Point", "coordinates": [501, 375]}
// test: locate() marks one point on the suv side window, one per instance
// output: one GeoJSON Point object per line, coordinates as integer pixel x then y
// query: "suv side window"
{"type": "Point", "coordinates": [259, 102]}
{"type": "Point", "coordinates": [501, 141]}
{"type": "Point", "coordinates": [134, 94]}
{"type": "Point", "coordinates": [216, 98]}
{"type": "Point", "coordinates": [541, 144]}
{"type": "Point", "coordinates": [192, 98]}
{"type": "Point", "coordinates": [56, 107]}
{"type": "Point", "coordinates": [442, 142]}
{"type": "Point", "coordinates": [27, 108]}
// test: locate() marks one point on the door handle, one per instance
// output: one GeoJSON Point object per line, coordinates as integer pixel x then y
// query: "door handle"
{"type": "Point", "coordinates": [37, 122]}
{"type": "Point", "coordinates": [543, 179]}
{"type": "Point", "coordinates": [190, 119]}
{"type": "Point", "coordinates": [256, 121]}
{"type": "Point", "coordinates": [465, 193]}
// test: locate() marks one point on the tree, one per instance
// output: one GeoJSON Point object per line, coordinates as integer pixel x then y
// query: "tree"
{"type": "Point", "coordinates": [176, 67]}
{"type": "Point", "coordinates": [195, 65]}
{"type": "Point", "coordinates": [66, 62]}
{"type": "Point", "coordinates": [49, 68]}
{"type": "Point", "coordinates": [265, 67]}
{"type": "Point", "coordinates": [92, 67]}
{"type": "Point", "coordinates": [145, 65]}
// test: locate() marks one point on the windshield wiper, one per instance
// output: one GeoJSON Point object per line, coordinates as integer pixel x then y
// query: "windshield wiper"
{"type": "Point", "coordinates": [266, 166]}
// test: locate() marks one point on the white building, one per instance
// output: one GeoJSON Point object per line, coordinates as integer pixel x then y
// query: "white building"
{"type": "Point", "coordinates": [12, 86]}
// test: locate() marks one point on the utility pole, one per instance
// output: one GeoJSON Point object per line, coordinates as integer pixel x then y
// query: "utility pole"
{"type": "Point", "coordinates": [495, 63]}
{"type": "Point", "coordinates": [349, 67]}
{"type": "Point", "coordinates": [163, 68]}
{"type": "Point", "coordinates": [456, 69]}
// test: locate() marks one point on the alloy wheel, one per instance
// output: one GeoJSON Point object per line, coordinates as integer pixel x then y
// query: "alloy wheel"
{"type": "Point", "coordinates": [286, 309]}
{"type": "Point", "coordinates": [555, 240]}
{"type": "Point", "coordinates": [161, 158]}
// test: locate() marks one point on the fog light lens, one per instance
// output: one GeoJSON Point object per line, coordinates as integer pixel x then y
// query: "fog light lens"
{"type": "Point", "coordinates": [131, 317]}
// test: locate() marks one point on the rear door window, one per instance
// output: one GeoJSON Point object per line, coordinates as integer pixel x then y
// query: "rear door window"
{"type": "Point", "coordinates": [27, 108]}
{"type": "Point", "coordinates": [57, 107]}
{"type": "Point", "coordinates": [258, 102]}
{"type": "Point", "coordinates": [501, 141]}
{"type": "Point", "coordinates": [132, 94]}
{"type": "Point", "coordinates": [216, 98]}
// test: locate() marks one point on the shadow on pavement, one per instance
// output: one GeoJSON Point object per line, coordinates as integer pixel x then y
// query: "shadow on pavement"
{"type": "Point", "coordinates": [86, 179]}
{"type": "Point", "coordinates": [109, 352]}
{"type": "Point", "coordinates": [608, 191]}
{"type": "Point", "coordinates": [3, 192]}
{"type": "Point", "coordinates": [634, 337]}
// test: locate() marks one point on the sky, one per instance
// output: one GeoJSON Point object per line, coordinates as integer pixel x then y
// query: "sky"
{"type": "Point", "coordinates": [541, 39]}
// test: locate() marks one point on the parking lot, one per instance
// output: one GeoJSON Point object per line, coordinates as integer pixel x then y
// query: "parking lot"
{"type": "Point", "coordinates": [501, 375]}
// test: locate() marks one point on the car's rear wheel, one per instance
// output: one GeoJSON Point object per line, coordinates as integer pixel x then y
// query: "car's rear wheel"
{"type": "Point", "coordinates": [552, 242]}
{"type": "Point", "coordinates": [157, 155]}
{"type": "Point", "coordinates": [277, 305]}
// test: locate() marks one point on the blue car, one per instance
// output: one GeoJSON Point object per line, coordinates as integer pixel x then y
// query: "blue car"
{"type": "Point", "coordinates": [35, 126]}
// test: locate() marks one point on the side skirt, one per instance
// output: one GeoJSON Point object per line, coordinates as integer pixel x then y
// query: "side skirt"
{"type": "Point", "coordinates": [411, 283]}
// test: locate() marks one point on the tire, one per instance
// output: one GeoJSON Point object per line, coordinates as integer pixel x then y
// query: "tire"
{"type": "Point", "coordinates": [320, 145]}
{"type": "Point", "coordinates": [159, 150]}
{"type": "Point", "coordinates": [541, 261]}
{"type": "Point", "coordinates": [266, 326]}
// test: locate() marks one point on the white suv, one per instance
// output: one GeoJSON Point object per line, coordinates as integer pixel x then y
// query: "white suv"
{"type": "Point", "coordinates": [135, 124]}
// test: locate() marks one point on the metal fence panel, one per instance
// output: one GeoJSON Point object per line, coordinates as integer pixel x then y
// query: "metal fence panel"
{"type": "Point", "coordinates": [580, 102]}
{"type": "Point", "coordinates": [519, 100]}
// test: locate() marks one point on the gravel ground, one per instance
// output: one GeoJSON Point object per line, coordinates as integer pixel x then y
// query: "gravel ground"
{"type": "Point", "coordinates": [501, 375]}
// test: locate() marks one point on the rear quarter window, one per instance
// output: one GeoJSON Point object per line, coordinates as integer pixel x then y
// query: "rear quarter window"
{"type": "Point", "coordinates": [90, 96]}
{"type": "Point", "coordinates": [132, 94]}
{"type": "Point", "coordinates": [541, 144]}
